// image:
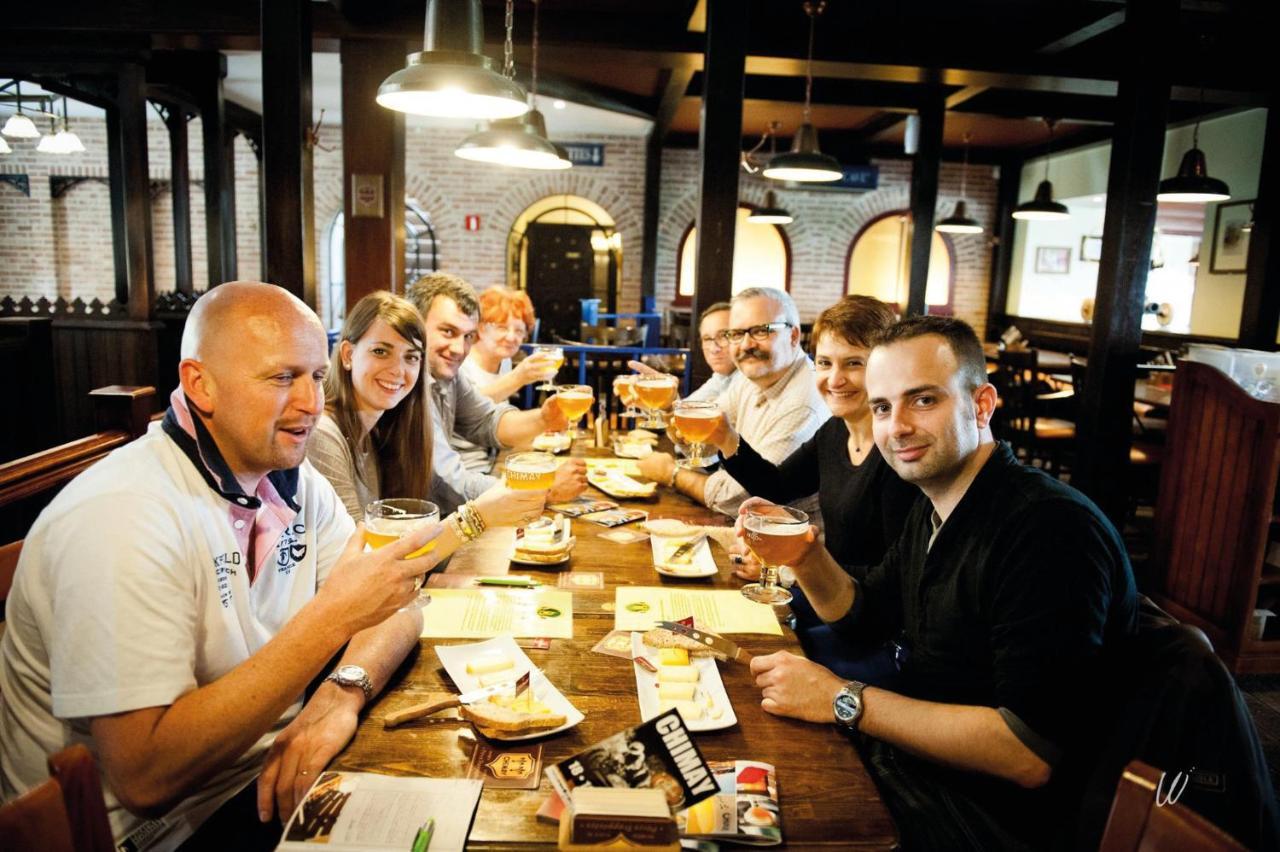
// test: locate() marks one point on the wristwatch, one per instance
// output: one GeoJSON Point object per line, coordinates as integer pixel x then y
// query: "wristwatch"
{"type": "Point", "coordinates": [847, 705]}
{"type": "Point", "coordinates": [353, 676]}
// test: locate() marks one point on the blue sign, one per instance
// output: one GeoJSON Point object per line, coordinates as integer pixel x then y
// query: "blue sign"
{"type": "Point", "coordinates": [858, 177]}
{"type": "Point", "coordinates": [584, 153]}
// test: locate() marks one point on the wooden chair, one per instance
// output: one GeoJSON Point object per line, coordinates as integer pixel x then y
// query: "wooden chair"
{"type": "Point", "coordinates": [1146, 451]}
{"type": "Point", "coordinates": [66, 813]}
{"type": "Point", "coordinates": [608, 335]}
{"type": "Point", "coordinates": [1138, 824]}
{"type": "Point", "coordinates": [1024, 417]}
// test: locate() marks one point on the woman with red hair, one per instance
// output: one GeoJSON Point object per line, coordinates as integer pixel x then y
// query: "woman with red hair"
{"type": "Point", "coordinates": [506, 318]}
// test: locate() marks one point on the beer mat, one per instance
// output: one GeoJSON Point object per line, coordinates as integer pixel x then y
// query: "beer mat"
{"type": "Point", "coordinates": [506, 768]}
{"type": "Point", "coordinates": [616, 643]}
{"type": "Point", "coordinates": [625, 536]}
{"type": "Point", "coordinates": [581, 506]}
{"type": "Point", "coordinates": [583, 580]}
{"type": "Point", "coordinates": [616, 517]}
{"type": "Point", "coordinates": [540, 643]}
{"type": "Point", "coordinates": [449, 580]}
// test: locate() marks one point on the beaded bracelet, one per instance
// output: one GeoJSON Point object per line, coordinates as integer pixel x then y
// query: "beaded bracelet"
{"type": "Point", "coordinates": [473, 516]}
{"type": "Point", "coordinates": [672, 482]}
{"type": "Point", "coordinates": [458, 529]}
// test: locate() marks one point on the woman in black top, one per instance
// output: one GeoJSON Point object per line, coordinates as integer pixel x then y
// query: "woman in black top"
{"type": "Point", "coordinates": [864, 503]}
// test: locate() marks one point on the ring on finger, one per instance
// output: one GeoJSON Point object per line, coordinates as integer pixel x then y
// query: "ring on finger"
{"type": "Point", "coordinates": [737, 558]}
{"type": "Point", "coordinates": [303, 772]}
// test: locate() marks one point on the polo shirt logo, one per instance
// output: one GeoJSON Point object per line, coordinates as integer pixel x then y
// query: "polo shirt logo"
{"type": "Point", "coordinates": [292, 549]}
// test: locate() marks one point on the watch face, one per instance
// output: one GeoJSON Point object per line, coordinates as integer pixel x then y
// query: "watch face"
{"type": "Point", "coordinates": [846, 708]}
{"type": "Point", "coordinates": [350, 673]}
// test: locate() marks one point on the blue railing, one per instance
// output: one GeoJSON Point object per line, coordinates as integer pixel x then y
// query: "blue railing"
{"type": "Point", "coordinates": [585, 354]}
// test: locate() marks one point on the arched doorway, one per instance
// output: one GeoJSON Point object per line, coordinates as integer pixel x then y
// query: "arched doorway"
{"type": "Point", "coordinates": [879, 264]}
{"type": "Point", "coordinates": [761, 257]}
{"type": "Point", "coordinates": [561, 249]}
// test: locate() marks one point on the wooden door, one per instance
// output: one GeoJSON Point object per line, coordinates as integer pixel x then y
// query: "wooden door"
{"type": "Point", "coordinates": [560, 262]}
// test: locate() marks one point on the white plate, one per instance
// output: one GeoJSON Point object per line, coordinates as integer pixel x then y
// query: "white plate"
{"type": "Point", "coordinates": [454, 658]}
{"type": "Point", "coordinates": [556, 443]}
{"type": "Point", "coordinates": [632, 450]}
{"type": "Point", "coordinates": [702, 564]}
{"type": "Point", "coordinates": [537, 564]}
{"type": "Point", "coordinates": [710, 688]}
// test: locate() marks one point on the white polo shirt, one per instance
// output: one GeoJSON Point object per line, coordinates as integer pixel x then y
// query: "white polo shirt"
{"type": "Point", "coordinates": [134, 588]}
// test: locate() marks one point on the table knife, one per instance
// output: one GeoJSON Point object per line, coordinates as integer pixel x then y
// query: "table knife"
{"type": "Point", "coordinates": [719, 644]}
{"type": "Point", "coordinates": [417, 711]}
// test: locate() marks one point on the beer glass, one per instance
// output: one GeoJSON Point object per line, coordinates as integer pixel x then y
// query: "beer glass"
{"type": "Point", "coordinates": [388, 520]}
{"type": "Point", "coordinates": [776, 537]}
{"type": "Point", "coordinates": [624, 388]}
{"type": "Point", "coordinates": [574, 401]}
{"type": "Point", "coordinates": [554, 356]}
{"type": "Point", "coordinates": [695, 420]}
{"type": "Point", "coordinates": [656, 393]}
{"type": "Point", "coordinates": [530, 471]}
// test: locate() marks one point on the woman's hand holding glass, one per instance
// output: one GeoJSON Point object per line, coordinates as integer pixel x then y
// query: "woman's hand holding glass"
{"type": "Point", "coordinates": [501, 506]}
{"type": "Point", "coordinates": [537, 367]}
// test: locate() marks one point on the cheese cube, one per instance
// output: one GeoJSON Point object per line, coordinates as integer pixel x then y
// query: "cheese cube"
{"type": "Point", "coordinates": [673, 657]}
{"type": "Point", "coordinates": [689, 710]}
{"type": "Point", "coordinates": [681, 691]}
{"type": "Point", "coordinates": [678, 674]}
{"type": "Point", "coordinates": [487, 663]}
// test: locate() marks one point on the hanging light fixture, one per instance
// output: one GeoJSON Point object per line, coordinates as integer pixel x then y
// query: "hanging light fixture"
{"type": "Point", "coordinates": [521, 142]}
{"type": "Point", "coordinates": [70, 143]}
{"type": "Point", "coordinates": [805, 162]}
{"type": "Point", "coordinates": [1043, 207]}
{"type": "Point", "coordinates": [1192, 182]}
{"type": "Point", "coordinates": [450, 77]}
{"type": "Point", "coordinates": [20, 126]}
{"type": "Point", "coordinates": [4, 147]}
{"type": "Point", "coordinates": [960, 222]}
{"type": "Point", "coordinates": [771, 213]}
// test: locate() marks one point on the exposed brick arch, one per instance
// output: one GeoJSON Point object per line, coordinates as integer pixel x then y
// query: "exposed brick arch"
{"type": "Point", "coordinates": [446, 218]}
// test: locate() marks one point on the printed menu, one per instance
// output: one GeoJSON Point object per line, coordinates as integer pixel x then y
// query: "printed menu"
{"type": "Point", "coordinates": [717, 610]}
{"type": "Point", "coordinates": [483, 613]}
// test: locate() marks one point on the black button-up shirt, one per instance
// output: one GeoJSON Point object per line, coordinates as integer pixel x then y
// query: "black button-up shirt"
{"type": "Point", "coordinates": [1012, 604]}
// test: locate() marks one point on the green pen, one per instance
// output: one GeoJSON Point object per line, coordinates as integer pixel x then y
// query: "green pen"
{"type": "Point", "coordinates": [524, 582]}
{"type": "Point", "coordinates": [422, 840]}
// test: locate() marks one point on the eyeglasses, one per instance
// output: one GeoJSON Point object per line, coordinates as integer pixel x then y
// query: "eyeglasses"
{"type": "Point", "coordinates": [498, 329]}
{"type": "Point", "coordinates": [716, 341]}
{"type": "Point", "coordinates": [757, 332]}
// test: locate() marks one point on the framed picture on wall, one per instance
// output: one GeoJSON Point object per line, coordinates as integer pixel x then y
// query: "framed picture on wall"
{"type": "Point", "coordinates": [1053, 260]}
{"type": "Point", "coordinates": [1091, 248]}
{"type": "Point", "coordinates": [1231, 225]}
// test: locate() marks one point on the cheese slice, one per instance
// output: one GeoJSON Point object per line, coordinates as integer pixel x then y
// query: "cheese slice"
{"type": "Point", "coordinates": [682, 691]}
{"type": "Point", "coordinates": [673, 657]}
{"type": "Point", "coordinates": [487, 663]}
{"type": "Point", "coordinates": [690, 710]}
{"type": "Point", "coordinates": [678, 674]}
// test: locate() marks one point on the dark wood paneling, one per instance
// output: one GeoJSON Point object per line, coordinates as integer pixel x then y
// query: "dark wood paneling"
{"type": "Point", "coordinates": [718, 175]}
{"type": "Point", "coordinates": [372, 144]}
{"type": "Point", "coordinates": [924, 197]}
{"type": "Point", "coordinates": [288, 224]}
{"type": "Point", "coordinates": [131, 192]}
{"type": "Point", "coordinates": [26, 351]}
{"type": "Point", "coordinates": [93, 353]}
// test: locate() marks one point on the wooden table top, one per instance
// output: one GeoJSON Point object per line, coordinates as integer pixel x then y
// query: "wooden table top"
{"type": "Point", "coordinates": [826, 795]}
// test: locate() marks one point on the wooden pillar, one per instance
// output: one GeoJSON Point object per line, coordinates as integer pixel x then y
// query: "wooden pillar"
{"type": "Point", "coordinates": [175, 119]}
{"type": "Point", "coordinates": [1104, 424]}
{"type": "Point", "coordinates": [1002, 246]}
{"type": "Point", "coordinates": [924, 198]}
{"type": "Point", "coordinates": [720, 148]}
{"type": "Point", "coordinates": [288, 228]}
{"type": "Point", "coordinates": [131, 192]}
{"type": "Point", "coordinates": [219, 170]}
{"type": "Point", "coordinates": [1261, 314]}
{"type": "Point", "coordinates": [372, 163]}
{"type": "Point", "coordinates": [652, 205]}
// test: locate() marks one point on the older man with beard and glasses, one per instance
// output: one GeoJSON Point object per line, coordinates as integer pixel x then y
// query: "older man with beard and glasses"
{"type": "Point", "coordinates": [775, 406]}
{"type": "Point", "coordinates": [1004, 588]}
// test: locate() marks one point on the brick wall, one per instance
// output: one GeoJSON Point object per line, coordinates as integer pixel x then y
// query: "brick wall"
{"type": "Point", "coordinates": [63, 247]}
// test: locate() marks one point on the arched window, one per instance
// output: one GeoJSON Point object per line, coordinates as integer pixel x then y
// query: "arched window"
{"type": "Point", "coordinates": [761, 257]}
{"type": "Point", "coordinates": [879, 264]}
{"type": "Point", "coordinates": [421, 255]}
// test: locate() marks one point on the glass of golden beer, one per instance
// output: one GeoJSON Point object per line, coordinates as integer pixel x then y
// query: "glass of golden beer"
{"type": "Point", "coordinates": [655, 394]}
{"type": "Point", "coordinates": [530, 471]}
{"type": "Point", "coordinates": [388, 520]}
{"type": "Point", "coordinates": [776, 537]}
{"type": "Point", "coordinates": [554, 356]}
{"type": "Point", "coordinates": [624, 388]}
{"type": "Point", "coordinates": [574, 401]}
{"type": "Point", "coordinates": [695, 420]}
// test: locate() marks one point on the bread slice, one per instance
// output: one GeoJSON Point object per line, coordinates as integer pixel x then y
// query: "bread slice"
{"type": "Point", "coordinates": [661, 637]}
{"type": "Point", "coordinates": [497, 721]}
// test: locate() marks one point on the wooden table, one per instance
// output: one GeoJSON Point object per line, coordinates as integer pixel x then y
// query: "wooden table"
{"type": "Point", "coordinates": [827, 797]}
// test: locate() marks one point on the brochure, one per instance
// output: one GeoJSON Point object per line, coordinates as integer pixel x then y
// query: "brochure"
{"type": "Point", "coordinates": [744, 810]}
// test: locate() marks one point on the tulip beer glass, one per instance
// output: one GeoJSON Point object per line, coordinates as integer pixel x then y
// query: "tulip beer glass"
{"type": "Point", "coordinates": [656, 393]}
{"type": "Point", "coordinates": [554, 356]}
{"type": "Point", "coordinates": [776, 537]}
{"type": "Point", "coordinates": [574, 401]}
{"type": "Point", "coordinates": [695, 422]}
{"type": "Point", "coordinates": [388, 520]}
{"type": "Point", "coordinates": [530, 472]}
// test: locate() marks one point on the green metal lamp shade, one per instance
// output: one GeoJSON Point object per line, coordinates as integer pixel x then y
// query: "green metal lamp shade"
{"type": "Point", "coordinates": [804, 163]}
{"type": "Point", "coordinates": [1192, 182]}
{"type": "Point", "coordinates": [1043, 206]}
{"type": "Point", "coordinates": [959, 222]}
{"type": "Point", "coordinates": [520, 142]}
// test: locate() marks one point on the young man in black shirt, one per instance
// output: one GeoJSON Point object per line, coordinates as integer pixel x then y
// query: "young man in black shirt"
{"type": "Point", "coordinates": [1004, 588]}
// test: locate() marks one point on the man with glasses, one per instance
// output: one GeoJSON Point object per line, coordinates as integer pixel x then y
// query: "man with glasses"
{"type": "Point", "coordinates": [716, 349]}
{"type": "Point", "coordinates": [775, 406]}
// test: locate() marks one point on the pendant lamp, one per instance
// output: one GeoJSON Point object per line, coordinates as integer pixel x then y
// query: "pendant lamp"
{"type": "Point", "coordinates": [1192, 182]}
{"type": "Point", "coordinates": [1043, 207]}
{"type": "Point", "coordinates": [4, 147]}
{"type": "Point", "coordinates": [450, 77]}
{"type": "Point", "coordinates": [960, 222]}
{"type": "Point", "coordinates": [521, 142]}
{"type": "Point", "coordinates": [20, 126]}
{"type": "Point", "coordinates": [805, 162]}
{"type": "Point", "coordinates": [770, 213]}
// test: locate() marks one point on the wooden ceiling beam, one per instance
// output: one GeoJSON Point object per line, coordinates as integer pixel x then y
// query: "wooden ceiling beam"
{"type": "Point", "coordinates": [674, 85]}
{"type": "Point", "coordinates": [1102, 25]}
